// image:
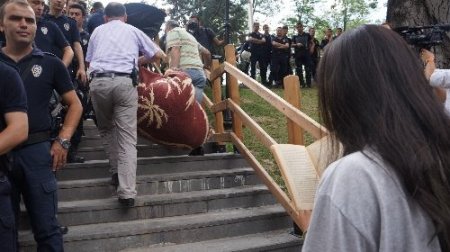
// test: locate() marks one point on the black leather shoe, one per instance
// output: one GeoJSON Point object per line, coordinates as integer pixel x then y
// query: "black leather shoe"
{"type": "Point", "coordinates": [127, 202]}
{"type": "Point", "coordinates": [197, 152]}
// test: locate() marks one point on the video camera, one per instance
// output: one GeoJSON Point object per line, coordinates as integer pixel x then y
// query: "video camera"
{"type": "Point", "coordinates": [423, 36]}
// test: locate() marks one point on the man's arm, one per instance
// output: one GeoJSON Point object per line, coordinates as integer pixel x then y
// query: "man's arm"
{"type": "Point", "coordinates": [71, 120]}
{"type": "Point", "coordinates": [16, 131]}
{"type": "Point", "coordinates": [218, 42]}
{"type": "Point", "coordinates": [174, 56]}
{"type": "Point", "coordinates": [81, 72]}
{"type": "Point", "coordinates": [67, 55]}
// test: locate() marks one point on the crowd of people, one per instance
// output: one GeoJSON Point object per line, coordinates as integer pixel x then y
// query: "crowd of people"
{"type": "Point", "coordinates": [276, 52]}
{"type": "Point", "coordinates": [375, 101]}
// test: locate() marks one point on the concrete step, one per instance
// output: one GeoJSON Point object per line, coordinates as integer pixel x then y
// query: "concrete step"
{"type": "Point", "coordinates": [96, 140]}
{"type": "Point", "coordinates": [143, 150]}
{"type": "Point", "coordinates": [117, 236]}
{"type": "Point", "coordinates": [154, 165]}
{"type": "Point", "coordinates": [72, 213]}
{"type": "Point", "coordinates": [159, 183]}
{"type": "Point", "coordinates": [273, 241]}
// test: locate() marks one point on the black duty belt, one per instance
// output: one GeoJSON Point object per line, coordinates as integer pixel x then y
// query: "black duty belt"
{"type": "Point", "coordinates": [110, 75]}
{"type": "Point", "coordinates": [35, 138]}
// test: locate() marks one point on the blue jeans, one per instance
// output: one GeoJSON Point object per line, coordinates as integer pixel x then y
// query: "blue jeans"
{"type": "Point", "coordinates": [7, 223]}
{"type": "Point", "coordinates": [32, 177]}
{"type": "Point", "coordinates": [198, 80]}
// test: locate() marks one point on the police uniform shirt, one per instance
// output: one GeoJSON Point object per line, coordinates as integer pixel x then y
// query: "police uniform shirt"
{"type": "Point", "coordinates": [12, 99]}
{"type": "Point", "coordinates": [49, 38]}
{"type": "Point", "coordinates": [67, 25]}
{"type": "Point", "coordinates": [45, 74]}
{"type": "Point", "coordinates": [257, 49]}
{"type": "Point", "coordinates": [305, 39]}
{"type": "Point", "coordinates": [277, 52]}
{"type": "Point", "coordinates": [95, 20]}
{"type": "Point", "coordinates": [268, 45]}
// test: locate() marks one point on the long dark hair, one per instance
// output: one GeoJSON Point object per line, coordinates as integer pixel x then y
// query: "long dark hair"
{"type": "Point", "coordinates": [373, 93]}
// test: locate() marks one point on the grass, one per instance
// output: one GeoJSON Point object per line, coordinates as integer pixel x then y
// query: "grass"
{"type": "Point", "coordinates": [273, 122]}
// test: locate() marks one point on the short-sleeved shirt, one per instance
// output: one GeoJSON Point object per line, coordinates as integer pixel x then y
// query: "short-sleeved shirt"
{"type": "Point", "coordinates": [303, 38]}
{"type": "Point", "coordinates": [46, 73]}
{"type": "Point", "coordinates": [189, 54]}
{"type": "Point", "coordinates": [109, 52]}
{"type": "Point", "coordinates": [12, 99]}
{"type": "Point", "coordinates": [67, 25]}
{"type": "Point", "coordinates": [257, 49]}
{"type": "Point", "coordinates": [49, 38]}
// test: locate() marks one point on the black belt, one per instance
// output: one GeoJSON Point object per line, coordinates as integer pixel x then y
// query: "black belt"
{"type": "Point", "coordinates": [110, 75]}
{"type": "Point", "coordinates": [34, 138]}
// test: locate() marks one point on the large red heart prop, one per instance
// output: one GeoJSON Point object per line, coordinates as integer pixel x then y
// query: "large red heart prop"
{"type": "Point", "coordinates": [168, 112]}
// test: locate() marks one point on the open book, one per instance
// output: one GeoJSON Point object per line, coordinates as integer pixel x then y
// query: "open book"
{"type": "Point", "coordinates": [301, 168]}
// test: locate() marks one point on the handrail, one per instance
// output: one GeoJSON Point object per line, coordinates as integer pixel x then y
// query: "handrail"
{"type": "Point", "coordinates": [240, 117]}
{"type": "Point", "coordinates": [300, 118]}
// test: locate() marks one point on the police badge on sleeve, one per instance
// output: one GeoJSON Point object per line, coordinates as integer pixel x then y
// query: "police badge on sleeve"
{"type": "Point", "coordinates": [67, 26]}
{"type": "Point", "coordinates": [36, 70]}
{"type": "Point", "coordinates": [44, 30]}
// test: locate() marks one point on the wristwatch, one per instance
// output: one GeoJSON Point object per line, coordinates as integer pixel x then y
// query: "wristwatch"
{"type": "Point", "coordinates": [65, 143]}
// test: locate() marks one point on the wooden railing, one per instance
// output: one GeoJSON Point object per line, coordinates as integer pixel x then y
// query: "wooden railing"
{"type": "Point", "coordinates": [297, 122]}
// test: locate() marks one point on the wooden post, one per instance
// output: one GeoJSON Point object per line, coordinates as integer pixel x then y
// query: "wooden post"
{"type": "Point", "coordinates": [217, 97]}
{"type": "Point", "coordinates": [293, 96]}
{"type": "Point", "coordinates": [233, 89]}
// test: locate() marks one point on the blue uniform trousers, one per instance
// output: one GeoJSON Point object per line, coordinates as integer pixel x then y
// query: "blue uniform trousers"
{"type": "Point", "coordinates": [7, 223]}
{"type": "Point", "coordinates": [32, 177]}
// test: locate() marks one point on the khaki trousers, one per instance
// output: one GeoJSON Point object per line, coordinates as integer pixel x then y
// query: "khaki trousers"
{"type": "Point", "coordinates": [115, 102]}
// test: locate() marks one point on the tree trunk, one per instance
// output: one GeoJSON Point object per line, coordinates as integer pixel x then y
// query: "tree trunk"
{"type": "Point", "coordinates": [423, 12]}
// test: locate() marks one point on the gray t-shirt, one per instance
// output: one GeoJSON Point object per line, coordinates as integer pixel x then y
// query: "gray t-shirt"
{"type": "Point", "coordinates": [362, 206]}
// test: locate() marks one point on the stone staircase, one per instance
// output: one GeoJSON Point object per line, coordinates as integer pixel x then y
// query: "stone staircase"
{"type": "Point", "coordinates": [203, 203]}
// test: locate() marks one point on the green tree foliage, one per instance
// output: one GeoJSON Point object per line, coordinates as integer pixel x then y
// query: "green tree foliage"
{"type": "Point", "coordinates": [212, 13]}
{"type": "Point", "coordinates": [266, 6]}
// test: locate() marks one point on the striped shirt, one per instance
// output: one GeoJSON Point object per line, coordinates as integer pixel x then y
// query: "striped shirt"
{"type": "Point", "coordinates": [115, 47]}
{"type": "Point", "coordinates": [189, 54]}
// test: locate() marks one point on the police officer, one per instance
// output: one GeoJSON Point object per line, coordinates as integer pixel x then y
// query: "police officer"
{"type": "Point", "coordinates": [49, 37]}
{"type": "Point", "coordinates": [77, 69]}
{"type": "Point", "coordinates": [314, 52]}
{"type": "Point", "coordinates": [267, 53]}
{"type": "Point", "coordinates": [78, 13]}
{"type": "Point", "coordinates": [69, 28]}
{"type": "Point", "coordinates": [301, 43]}
{"type": "Point", "coordinates": [36, 160]}
{"type": "Point", "coordinates": [257, 43]}
{"type": "Point", "coordinates": [13, 131]}
{"type": "Point", "coordinates": [280, 52]}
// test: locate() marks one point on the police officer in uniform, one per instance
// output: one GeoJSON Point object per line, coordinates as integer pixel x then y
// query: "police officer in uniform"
{"type": "Point", "coordinates": [301, 43]}
{"type": "Point", "coordinates": [77, 69]}
{"type": "Point", "coordinates": [68, 26]}
{"type": "Point", "coordinates": [280, 53]}
{"type": "Point", "coordinates": [314, 52]}
{"type": "Point", "coordinates": [36, 160]}
{"type": "Point", "coordinates": [257, 43]}
{"type": "Point", "coordinates": [49, 37]}
{"type": "Point", "coordinates": [13, 131]}
{"type": "Point", "coordinates": [267, 54]}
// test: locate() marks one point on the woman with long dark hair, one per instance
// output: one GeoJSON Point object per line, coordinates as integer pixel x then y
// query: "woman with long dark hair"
{"type": "Point", "coordinates": [390, 191]}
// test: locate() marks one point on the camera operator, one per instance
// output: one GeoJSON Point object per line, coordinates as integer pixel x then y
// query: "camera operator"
{"type": "Point", "coordinates": [205, 36]}
{"type": "Point", "coordinates": [439, 78]}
